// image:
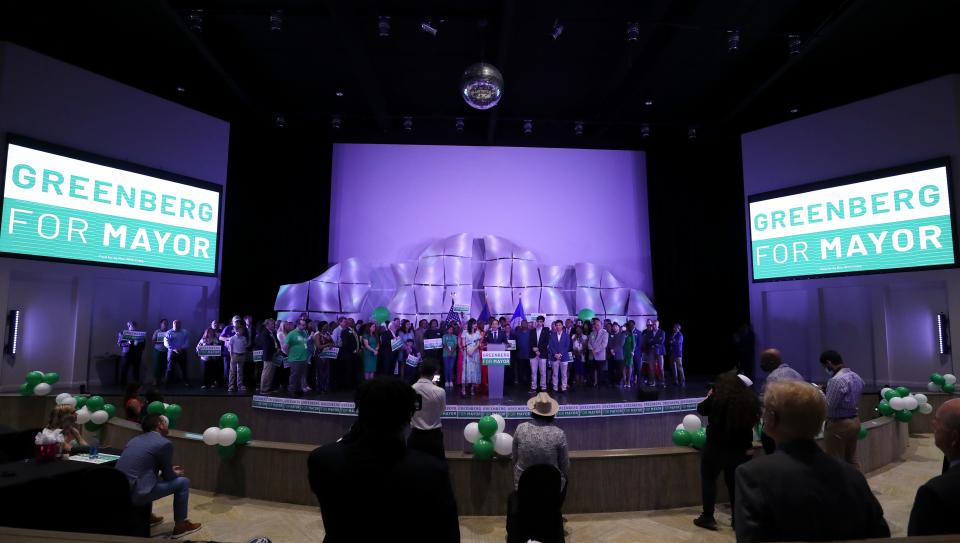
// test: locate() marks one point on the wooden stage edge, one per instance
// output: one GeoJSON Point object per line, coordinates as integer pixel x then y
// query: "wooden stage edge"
{"type": "Point", "coordinates": [605, 479]}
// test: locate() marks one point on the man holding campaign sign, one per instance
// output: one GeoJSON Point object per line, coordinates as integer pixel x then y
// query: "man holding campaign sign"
{"type": "Point", "coordinates": [883, 223]}
{"type": "Point", "coordinates": [131, 342]}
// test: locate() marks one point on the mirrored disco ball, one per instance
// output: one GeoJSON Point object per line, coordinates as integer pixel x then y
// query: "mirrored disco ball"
{"type": "Point", "coordinates": [481, 86]}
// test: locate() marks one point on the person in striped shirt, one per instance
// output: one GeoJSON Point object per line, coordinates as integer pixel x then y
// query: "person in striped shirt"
{"type": "Point", "coordinates": [843, 399]}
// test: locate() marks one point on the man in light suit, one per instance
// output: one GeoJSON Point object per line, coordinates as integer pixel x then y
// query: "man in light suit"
{"type": "Point", "coordinates": [539, 343]}
{"type": "Point", "coordinates": [597, 343]}
{"type": "Point", "coordinates": [938, 500]}
{"type": "Point", "coordinates": [558, 351]}
{"type": "Point", "coordinates": [147, 461]}
{"type": "Point", "coordinates": [800, 493]}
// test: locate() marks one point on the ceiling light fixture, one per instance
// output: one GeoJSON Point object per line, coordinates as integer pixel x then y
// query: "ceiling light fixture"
{"type": "Point", "coordinates": [427, 26]}
{"type": "Point", "coordinates": [407, 123]}
{"type": "Point", "coordinates": [633, 31]}
{"type": "Point", "coordinates": [648, 102]}
{"type": "Point", "coordinates": [459, 124]}
{"type": "Point", "coordinates": [195, 20]}
{"type": "Point", "coordinates": [794, 43]}
{"type": "Point", "coordinates": [276, 20]}
{"type": "Point", "coordinates": [691, 133]}
{"type": "Point", "coordinates": [645, 131]}
{"type": "Point", "coordinates": [578, 128]}
{"type": "Point", "coordinates": [383, 26]}
{"type": "Point", "coordinates": [556, 30]}
{"type": "Point", "coordinates": [336, 121]}
{"type": "Point", "coordinates": [733, 41]}
{"type": "Point", "coordinates": [527, 127]}
{"type": "Point", "coordinates": [280, 121]}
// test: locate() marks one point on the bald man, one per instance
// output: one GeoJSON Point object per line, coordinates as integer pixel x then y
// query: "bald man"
{"type": "Point", "coordinates": [777, 370]}
{"type": "Point", "coordinates": [800, 493]}
{"type": "Point", "coordinates": [937, 502]}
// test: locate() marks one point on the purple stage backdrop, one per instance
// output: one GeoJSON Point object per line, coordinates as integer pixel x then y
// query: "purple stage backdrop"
{"type": "Point", "coordinates": [389, 202]}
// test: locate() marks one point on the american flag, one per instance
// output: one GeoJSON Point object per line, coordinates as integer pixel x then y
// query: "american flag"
{"type": "Point", "coordinates": [453, 318]}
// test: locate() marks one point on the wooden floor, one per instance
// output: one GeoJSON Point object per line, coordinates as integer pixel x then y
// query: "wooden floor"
{"type": "Point", "coordinates": [234, 519]}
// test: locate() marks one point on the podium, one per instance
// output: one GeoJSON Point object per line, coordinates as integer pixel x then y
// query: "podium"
{"type": "Point", "coordinates": [495, 357]}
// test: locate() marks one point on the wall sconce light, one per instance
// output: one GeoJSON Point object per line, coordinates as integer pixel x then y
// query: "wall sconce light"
{"type": "Point", "coordinates": [13, 332]}
{"type": "Point", "coordinates": [943, 333]}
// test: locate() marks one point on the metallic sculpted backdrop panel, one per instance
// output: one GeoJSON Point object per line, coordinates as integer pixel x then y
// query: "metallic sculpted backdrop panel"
{"type": "Point", "coordinates": [428, 286]}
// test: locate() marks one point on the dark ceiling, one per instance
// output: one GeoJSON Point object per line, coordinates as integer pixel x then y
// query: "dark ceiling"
{"type": "Point", "coordinates": [677, 74]}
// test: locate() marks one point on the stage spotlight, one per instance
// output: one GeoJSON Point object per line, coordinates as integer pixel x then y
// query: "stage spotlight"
{"type": "Point", "coordinates": [645, 131]}
{"type": "Point", "coordinates": [794, 44]}
{"type": "Point", "coordinates": [336, 121]}
{"type": "Point", "coordinates": [407, 123]}
{"type": "Point", "coordinates": [458, 123]}
{"type": "Point", "coordinates": [633, 31]}
{"type": "Point", "coordinates": [556, 30]}
{"type": "Point", "coordinates": [13, 332]}
{"type": "Point", "coordinates": [181, 89]}
{"type": "Point", "coordinates": [280, 121]}
{"type": "Point", "coordinates": [527, 127]}
{"type": "Point", "coordinates": [195, 20]}
{"type": "Point", "coordinates": [691, 133]}
{"type": "Point", "coordinates": [383, 26]}
{"type": "Point", "coordinates": [648, 102]}
{"type": "Point", "coordinates": [578, 128]}
{"type": "Point", "coordinates": [943, 333]}
{"type": "Point", "coordinates": [427, 26]}
{"type": "Point", "coordinates": [733, 41]}
{"type": "Point", "coordinates": [276, 20]}
{"type": "Point", "coordinates": [794, 110]}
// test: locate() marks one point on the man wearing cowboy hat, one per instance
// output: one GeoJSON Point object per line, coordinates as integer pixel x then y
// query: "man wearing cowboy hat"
{"type": "Point", "coordinates": [540, 441]}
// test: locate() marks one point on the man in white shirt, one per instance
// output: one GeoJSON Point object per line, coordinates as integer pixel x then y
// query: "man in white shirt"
{"type": "Point", "coordinates": [427, 433]}
{"type": "Point", "coordinates": [539, 343]}
{"type": "Point", "coordinates": [597, 342]}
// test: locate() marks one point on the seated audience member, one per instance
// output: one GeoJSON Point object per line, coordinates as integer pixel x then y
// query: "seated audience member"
{"type": "Point", "coordinates": [733, 410]}
{"type": "Point", "coordinates": [800, 493]}
{"type": "Point", "coordinates": [541, 441]}
{"type": "Point", "coordinates": [427, 433]}
{"type": "Point", "coordinates": [132, 404]}
{"type": "Point", "coordinates": [371, 486]}
{"type": "Point", "coordinates": [63, 421]}
{"type": "Point", "coordinates": [147, 461]}
{"type": "Point", "coordinates": [939, 499]}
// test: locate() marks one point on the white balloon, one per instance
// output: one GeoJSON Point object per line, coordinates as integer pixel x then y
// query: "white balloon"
{"type": "Point", "coordinates": [99, 417]}
{"type": "Point", "coordinates": [501, 423]}
{"type": "Point", "coordinates": [925, 408]}
{"type": "Point", "coordinates": [949, 379]}
{"type": "Point", "coordinates": [42, 389]}
{"type": "Point", "coordinates": [883, 391]}
{"type": "Point", "coordinates": [227, 437]}
{"type": "Point", "coordinates": [933, 387]}
{"type": "Point", "coordinates": [692, 423]}
{"type": "Point", "coordinates": [679, 427]}
{"type": "Point", "coordinates": [211, 435]}
{"type": "Point", "coordinates": [471, 432]}
{"type": "Point", "coordinates": [910, 403]}
{"type": "Point", "coordinates": [83, 415]}
{"type": "Point", "coordinates": [71, 401]}
{"type": "Point", "coordinates": [165, 406]}
{"type": "Point", "coordinates": [921, 398]}
{"type": "Point", "coordinates": [503, 444]}
{"type": "Point", "coordinates": [897, 403]}
{"type": "Point", "coordinates": [62, 396]}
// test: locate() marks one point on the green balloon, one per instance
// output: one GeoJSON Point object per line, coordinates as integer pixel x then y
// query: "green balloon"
{"type": "Point", "coordinates": [682, 438]}
{"type": "Point", "coordinates": [244, 433]}
{"type": "Point", "coordinates": [488, 426]}
{"type": "Point", "coordinates": [26, 389]}
{"type": "Point", "coordinates": [81, 401]}
{"type": "Point", "coordinates": [226, 452]}
{"type": "Point", "coordinates": [938, 379]}
{"type": "Point", "coordinates": [884, 408]}
{"type": "Point", "coordinates": [95, 403]}
{"type": "Point", "coordinates": [903, 415]}
{"type": "Point", "coordinates": [92, 426]}
{"type": "Point", "coordinates": [229, 420]}
{"type": "Point", "coordinates": [903, 392]}
{"type": "Point", "coordinates": [174, 411]}
{"type": "Point", "coordinates": [110, 409]}
{"type": "Point", "coordinates": [862, 434]}
{"type": "Point", "coordinates": [156, 408]}
{"type": "Point", "coordinates": [890, 394]}
{"type": "Point", "coordinates": [949, 388]}
{"type": "Point", "coordinates": [586, 314]}
{"type": "Point", "coordinates": [51, 378]}
{"type": "Point", "coordinates": [699, 438]}
{"type": "Point", "coordinates": [34, 378]}
{"type": "Point", "coordinates": [381, 314]}
{"type": "Point", "coordinates": [483, 448]}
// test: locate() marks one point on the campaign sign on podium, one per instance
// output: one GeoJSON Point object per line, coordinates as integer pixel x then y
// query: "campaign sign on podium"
{"type": "Point", "coordinates": [495, 358]}
{"type": "Point", "coordinates": [210, 351]}
{"type": "Point", "coordinates": [436, 343]}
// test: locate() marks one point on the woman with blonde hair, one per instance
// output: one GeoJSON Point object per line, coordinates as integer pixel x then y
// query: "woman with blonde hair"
{"type": "Point", "coordinates": [62, 427]}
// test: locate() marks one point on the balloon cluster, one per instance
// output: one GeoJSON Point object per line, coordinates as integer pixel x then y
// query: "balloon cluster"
{"type": "Point", "coordinates": [942, 383]}
{"type": "Point", "coordinates": [488, 437]}
{"type": "Point", "coordinates": [586, 314]}
{"type": "Point", "coordinates": [38, 383]}
{"type": "Point", "coordinates": [228, 435]}
{"type": "Point", "coordinates": [901, 403]}
{"type": "Point", "coordinates": [92, 412]}
{"type": "Point", "coordinates": [690, 433]}
{"type": "Point", "coordinates": [170, 410]}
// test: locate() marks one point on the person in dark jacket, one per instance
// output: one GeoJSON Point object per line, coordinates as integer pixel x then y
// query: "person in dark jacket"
{"type": "Point", "coordinates": [800, 493]}
{"type": "Point", "coordinates": [938, 500]}
{"type": "Point", "coordinates": [371, 486]}
{"type": "Point", "coordinates": [733, 410]}
{"type": "Point", "coordinates": [266, 341]}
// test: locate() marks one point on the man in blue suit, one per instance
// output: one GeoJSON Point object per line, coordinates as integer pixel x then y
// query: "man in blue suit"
{"type": "Point", "coordinates": [558, 352]}
{"type": "Point", "coordinates": [147, 461]}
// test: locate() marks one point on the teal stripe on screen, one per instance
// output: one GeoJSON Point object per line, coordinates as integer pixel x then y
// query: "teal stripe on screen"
{"type": "Point", "coordinates": [26, 239]}
{"type": "Point", "coordinates": [886, 259]}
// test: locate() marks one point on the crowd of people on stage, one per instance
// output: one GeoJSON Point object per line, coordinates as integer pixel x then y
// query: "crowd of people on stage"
{"type": "Point", "coordinates": [296, 356]}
